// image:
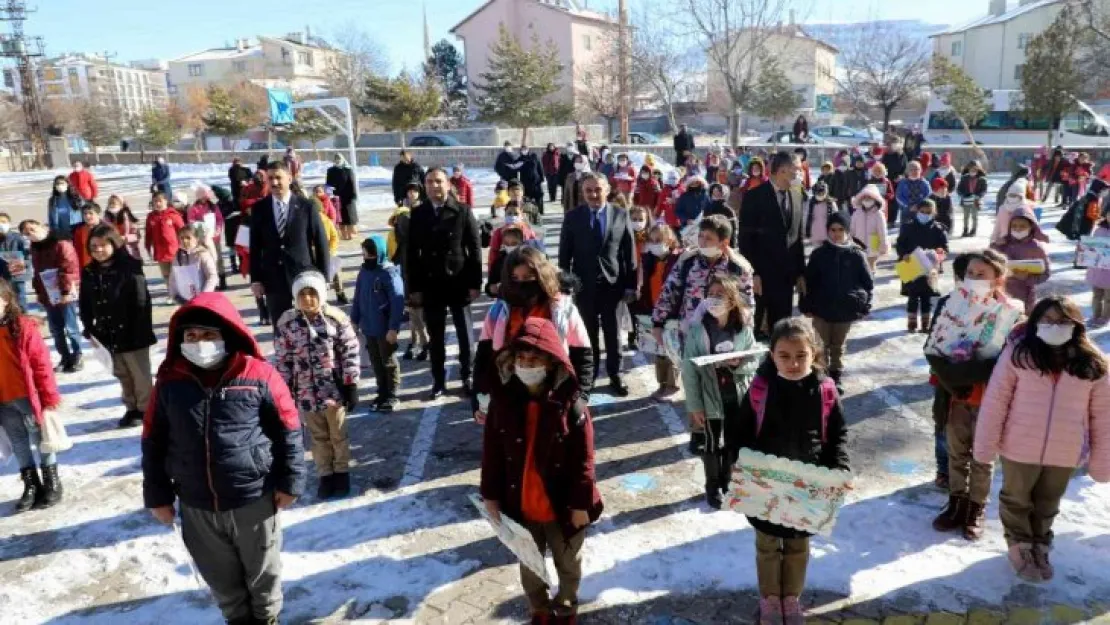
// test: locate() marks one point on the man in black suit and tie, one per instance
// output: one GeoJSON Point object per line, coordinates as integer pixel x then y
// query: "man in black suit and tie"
{"type": "Point", "coordinates": [287, 238]}
{"type": "Point", "coordinates": [596, 245]}
{"type": "Point", "coordinates": [771, 239]}
{"type": "Point", "coordinates": [444, 272]}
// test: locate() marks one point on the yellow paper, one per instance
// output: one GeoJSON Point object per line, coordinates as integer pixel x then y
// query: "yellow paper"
{"type": "Point", "coordinates": [909, 270]}
{"type": "Point", "coordinates": [1034, 266]}
{"type": "Point", "coordinates": [874, 244]}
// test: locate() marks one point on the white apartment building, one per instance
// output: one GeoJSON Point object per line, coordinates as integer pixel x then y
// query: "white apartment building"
{"type": "Point", "coordinates": [298, 62]}
{"type": "Point", "coordinates": [135, 87]}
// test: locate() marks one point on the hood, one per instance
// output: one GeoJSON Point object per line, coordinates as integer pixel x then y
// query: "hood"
{"type": "Point", "coordinates": [216, 310]}
{"type": "Point", "coordinates": [645, 168]}
{"type": "Point", "coordinates": [341, 162]}
{"type": "Point", "coordinates": [1018, 187]}
{"type": "Point", "coordinates": [201, 192]}
{"type": "Point", "coordinates": [540, 334]}
{"type": "Point", "coordinates": [946, 159]}
{"type": "Point", "coordinates": [311, 280]}
{"type": "Point", "coordinates": [757, 161]}
{"type": "Point", "coordinates": [379, 244]}
{"type": "Point", "coordinates": [868, 191]}
{"type": "Point", "coordinates": [1026, 211]}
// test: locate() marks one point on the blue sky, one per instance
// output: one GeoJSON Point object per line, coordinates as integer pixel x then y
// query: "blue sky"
{"type": "Point", "coordinates": [167, 29]}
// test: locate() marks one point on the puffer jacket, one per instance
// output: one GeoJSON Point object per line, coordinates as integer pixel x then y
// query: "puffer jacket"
{"type": "Point", "coordinates": [1029, 418]}
{"type": "Point", "coordinates": [839, 284]}
{"type": "Point", "coordinates": [317, 356]}
{"type": "Point", "coordinates": [209, 273]}
{"type": "Point", "coordinates": [379, 302]}
{"type": "Point", "coordinates": [115, 304]}
{"type": "Point", "coordinates": [223, 447]}
{"type": "Point", "coordinates": [691, 205]}
{"type": "Point", "coordinates": [34, 362]}
{"type": "Point", "coordinates": [703, 392]}
{"type": "Point", "coordinates": [927, 236]}
{"type": "Point", "coordinates": [161, 234]}
{"type": "Point", "coordinates": [54, 254]}
{"type": "Point", "coordinates": [688, 282]}
{"type": "Point", "coordinates": [868, 227]}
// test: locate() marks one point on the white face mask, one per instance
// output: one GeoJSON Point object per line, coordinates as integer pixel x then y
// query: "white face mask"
{"type": "Point", "coordinates": [508, 150]}
{"type": "Point", "coordinates": [1019, 234]}
{"type": "Point", "coordinates": [523, 150]}
{"type": "Point", "coordinates": [1055, 335]}
{"type": "Point", "coordinates": [978, 287]}
{"type": "Point", "coordinates": [512, 219]}
{"type": "Point", "coordinates": [204, 354]}
{"type": "Point", "coordinates": [638, 225]}
{"type": "Point", "coordinates": [716, 306]}
{"type": "Point", "coordinates": [868, 204]}
{"type": "Point", "coordinates": [842, 168]}
{"type": "Point", "coordinates": [579, 166]}
{"type": "Point", "coordinates": [645, 176]}
{"type": "Point", "coordinates": [531, 376]}
{"type": "Point", "coordinates": [61, 188]}
{"type": "Point", "coordinates": [622, 163]}
{"type": "Point", "coordinates": [710, 252]}
{"type": "Point", "coordinates": [5, 228]}
{"type": "Point", "coordinates": [658, 249]}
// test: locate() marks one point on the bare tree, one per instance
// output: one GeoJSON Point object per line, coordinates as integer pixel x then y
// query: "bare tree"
{"type": "Point", "coordinates": [735, 34]}
{"type": "Point", "coordinates": [661, 67]}
{"type": "Point", "coordinates": [884, 68]}
{"type": "Point", "coordinates": [1094, 51]}
{"type": "Point", "coordinates": [363, 58]}
{"type": "Point", "coordinates": [598, 89]}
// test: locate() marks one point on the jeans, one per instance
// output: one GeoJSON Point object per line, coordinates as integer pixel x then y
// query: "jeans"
{"type": "Point", "coordinates": [23, 433]}
{"type": "Point", "coordinates": [20, 289]}
{"type": "Point", "coordinates": [924, 303]}
{"type": "Point", "coordinates": [63, 326]}
{"type": "Point", "coordinates": [940, 449]}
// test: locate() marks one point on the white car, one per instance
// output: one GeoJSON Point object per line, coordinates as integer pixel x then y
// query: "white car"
{"type": "Point", "coordinates": [846, 135]}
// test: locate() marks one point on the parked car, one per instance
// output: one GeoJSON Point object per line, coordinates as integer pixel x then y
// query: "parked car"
{"type": "Point", "coordinates": [264, 146]}
{"type": "Point", "coordinates": [783, 136]}
{"type": "Point", "coordinates": [847, 135]}
{"type": "Point", "coordinates": [637, 138]}
{"type": "Point", "coordinates": [432, 141]}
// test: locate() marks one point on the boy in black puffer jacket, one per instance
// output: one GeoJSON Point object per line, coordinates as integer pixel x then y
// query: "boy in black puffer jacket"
{"type": "Point", "coordinates": [926, 233]}
{"type": "Point", "coordinates": [838, 291]}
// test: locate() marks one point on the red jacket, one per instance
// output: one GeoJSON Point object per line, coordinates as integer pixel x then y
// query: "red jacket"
{"type": "Point", "coordinates": [625, 184]}
{"type": "Point", "coordinates": [665, 208]}
{"type": "Point", "coordinates": [81, 243]}
{"type": "Point", "coordinates": [38, 373]}
{"type": "Point", "coordinates": [252, 193]}
{"type": "Point", "coordinates": [84, 183]}
{"type": "Point", "coordinates": [495, 240]}
{"type": "Point", "coordinates": [550, 162]}
{"type": "Point", "coordinates": [54, 253]}
{"type": "Point", "coordinates": [464, 190]}
{"type": "Point", "coordinates": [647, 192]}
{"type": "Point", "coordinates": [563, 449]}
{"type": "Point", "coordinates": [161, 234]}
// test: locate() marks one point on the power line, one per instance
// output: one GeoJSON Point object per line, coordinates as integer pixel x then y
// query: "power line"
{"type": "Point", "coordinates": [23, 49]}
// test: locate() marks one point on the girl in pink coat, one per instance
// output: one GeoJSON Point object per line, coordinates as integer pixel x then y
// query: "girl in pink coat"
{"type": "Point", "coordinates": [1048, 396]}
{"type": "Point", "coordinates": [206, 212]}
{"type": "Point", "coordinates": [869, 223]}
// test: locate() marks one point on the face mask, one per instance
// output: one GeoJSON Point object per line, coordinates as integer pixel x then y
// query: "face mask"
{"type": "Point", "coordinates": [645, 176]}
{"type": "Point", "coordinates": [1019, 234]}
{"type": "Point", "coordinates": [508, 150]}
{"type": "Point", "coordinates": [868, 204]}
{"type": "Point", "coordinates": [658, 249]}
{"type": "Point", "coordinates": [204, 354]}
{"type": "Point", "coordinates": [842, 168]}
{"type": "Point", "coordinates": [512, 219]}
{"type": "Point", "coordinates": [710, 252]}
{"type": "Point", "coordinates": [520, 293]}
{"type": "Point", "coordinates": [579, 167]}
{"type": "Point", "coordinates": [508, 249]}
{"type": "Point", "coordinates": [638, 226]}
{"type": "Point", "coordinates": [922, 218]}
{"type": "Point", "coordinates": [61, 188]}
{"type": "Point", "coordinates": [523, 150]}
{"type": "Point", "coordinates": [1055, 335]}
{"type": "Point", "coordinates": [531, 376]}
{"type": "Point", "coordinates": [5, 227]}
{"type": "Point", "coordinates": [716, 306]}
{"type": "Point", "coordinates": [978, 287]}
{"type": "Point", "coordinates": [622, 163]}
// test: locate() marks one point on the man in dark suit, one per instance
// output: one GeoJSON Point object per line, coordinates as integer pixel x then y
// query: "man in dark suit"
{"type": "Point", "coordinates": [287, 238]}
{"type": "Point", "coordinates": [444, 271]}
{"type": "Point", "coordinates": [771, 239]}
{"type": "Point", "coordinates": [596, 245]}
{"type": "Point", "coordinates": [683, 143]}
{"type": "Point", "coordinates": [530, 172]}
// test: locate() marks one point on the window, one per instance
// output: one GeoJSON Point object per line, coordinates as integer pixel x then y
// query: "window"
{"type": "Point", "coordinates": [957, 48]}
{"type": "Point", "coordinates": [1082, 123]}
{"type": "Point", "coordinates": [995, 120]}
{"type": "Point", "coordinates": [1023, 40]}
{"type": "Point", "coordinates": [286, 57]}
{"type": "Point", "coordinates": [239, 66]}
{"type": "Point", "coordinates": [196, 69]}
{"type": "Point", "coordinates": [1018, 70]}
{"type": "Point", "coordinates": [586, 42]}
{"type": "Point", "coordinates": [304, 58]}
{"type": "Point", "coordinates": [73, 73]}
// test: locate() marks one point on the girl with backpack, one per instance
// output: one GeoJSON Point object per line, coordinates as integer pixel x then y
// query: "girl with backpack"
{"type": "Point", "coordinates": [792, 411]}
{"type": "Point", "coordinates": [722, 323]}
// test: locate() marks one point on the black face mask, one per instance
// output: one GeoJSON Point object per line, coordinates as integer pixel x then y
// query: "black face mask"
{"type": "Point", "coordinates": [370, 263]}
{"type": "Point", "coordinates": [520, 294]}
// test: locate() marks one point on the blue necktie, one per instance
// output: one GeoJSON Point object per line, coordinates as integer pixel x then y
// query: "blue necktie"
{"type": "Point", "coordinates": [599, 232]}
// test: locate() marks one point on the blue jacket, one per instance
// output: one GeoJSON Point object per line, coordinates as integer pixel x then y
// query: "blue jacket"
{"type": "Point", "coordinates": [691, 204]}
{"type": "Point", "coordinates": [910, 193]}
{"type": "Point", "coordinates": [224, 447]}
{"type": "Point", "coordinates": [63, 213]}
{"type": "Point", "coordinates": [160, 174]}
{"type": "Point", "coordinates": [13, 243]}
{"type": "Point", "coordinates": [379, 302]}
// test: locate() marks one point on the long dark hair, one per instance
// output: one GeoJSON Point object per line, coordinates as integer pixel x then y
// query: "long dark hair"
{"type": "Point", "coordinates": [1078, 357]}
{"type": "Point", "coordinates": [13, 312]}
{"type": "Point", "coordinates": [547, 273]}
{"type": "Point", "coordinates": [124, 212]}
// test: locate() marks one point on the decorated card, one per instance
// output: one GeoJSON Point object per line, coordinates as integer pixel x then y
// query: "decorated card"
{"type": "Point", "coordinates": [517, 539]}
{"type": "Point", "coordinates": [972, 326]}
{"type": "Point", "coordinates": [49, 279]}
{"type": "Point", "coordinates": [712, 359]}
{"type": "Point", "coordinates": [793, 494]}
{"type": "Point", "coordinates": [187, 281]}
{"type": "Point", "coordinates": [17, 265]}
{"type": "Point", "coordinates": [1093, 252]}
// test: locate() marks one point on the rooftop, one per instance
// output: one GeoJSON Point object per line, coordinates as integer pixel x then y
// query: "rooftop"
{"type": "Point", "coordinates": [247, 47]}
{"type": "Point", "coordinates": [566, 6]}
{"type": "Point", "coordinates": [989, 20]}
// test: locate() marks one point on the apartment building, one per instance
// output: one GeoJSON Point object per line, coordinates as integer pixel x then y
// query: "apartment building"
{"type": "Point", "coordinates": [134, 87]}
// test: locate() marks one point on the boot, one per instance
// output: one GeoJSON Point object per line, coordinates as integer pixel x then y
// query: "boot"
{"type": "Point", "coordinates": [697, 443]}
{"type": "Point", "coordinates": [326, 488]}
{"type": "Point", "coordinates": [52, 490]}
{"type": "Point", "coordinates": [911, 322]}
{"type": "Point", "coordinates": [31, 487]}
{"type": "Point", "coordinates": [423, 355]}
{"type": "Point", "coordinates": [341, 484]}
{"type": "Point", "coordinates": [408, 353]}
{"type": "Point", "coordinates": [342, 299]}
{"type": "Point", "coordinates": [836, 376]}
{"type": "Point", "coordinates": [222, 286]}
{"type": "Point", "coordinates": [131, 418]}
{"type": "Point", "coordinates": [953, 515]}
{"type": "Point", "coordinates": [1040, 556]}
{"type": "Point", "coordinates": [1022, 559]}
{"type": "Point", "coordinates": [926, 323]}
{"type": "Point", "coordinates": [770, 611]}
{"type": "Point", "coordinates": [75, 364]}
{"type": "Point", "coordinates": [792, 613]}
{"type": "Point", "coordinates": [975, 521]}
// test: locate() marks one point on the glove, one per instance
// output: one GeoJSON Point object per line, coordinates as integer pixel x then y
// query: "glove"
{"type": "Point", "coordinates": [350, 396]}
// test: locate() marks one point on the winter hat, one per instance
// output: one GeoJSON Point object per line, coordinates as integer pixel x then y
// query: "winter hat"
{"type": "Point", "coordinates": [837, 218]}
{"type": "Point", "coordinates": [877, 151]}
{"type": "Point", "coordinates": [671, 178]}
{"type": "Point", "coordinates": [925, 159]}
{"type": "Point", "coordinates": [869, 192]}
{"type": "Point", "coordinates": [501, 185]}
{"type": "Point", "coordinates": [939, 183]}
{"type": "Point", "coordinates": [820, 187]}
{"type": "Point", "coordinates": [1018, 188]}
{"type": "Point", "coordinates": [828, 164]}
{"type": "Point", "coordinates": [946, 159]}
{"type": "Point", "coordinates": [180, 198]}
{"type": "Point", "coordinates": [310, 280]}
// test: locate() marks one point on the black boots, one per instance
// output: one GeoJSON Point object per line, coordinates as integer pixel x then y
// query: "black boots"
{"type": "Point", "coordinates": [222, 286]}
{"type": "Point", "coordinates": [263, 312]}
{"type": "Point", "coordinates": [326, 488]}
{"type": "Point", "coordinates": [341, 484]}
{"type": "Point", "coordinates": [131, 418]}
{"type": "Point", "coordinates": [32, 485]}
{"type": "Point", "coordinates": [342, 299]}
{"type": "Point", "coordinates": [52, 491]}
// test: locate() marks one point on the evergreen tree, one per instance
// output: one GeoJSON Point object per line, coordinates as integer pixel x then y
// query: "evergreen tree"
{"type": "Point", "coordinates": [155, 128]}
{"type": "Point", "coordinates": [773, 96]}
{"type": "Point", "coordinates": [965, 99]}
{"type": "Point", "coordinates": [517, 88]}
{"type": "Point", "coordinates": [446, 66]}
{"type": "Point", "coordinates": [311, 126]}
{"type": "Point", "coordinates": [401, 103]}
{"type": "Point", "coordinates": [100, 123]}
{"type": "Point", "coordinates": [225, 115]}
{"type": "Point", "coordinates": [1050, 79]}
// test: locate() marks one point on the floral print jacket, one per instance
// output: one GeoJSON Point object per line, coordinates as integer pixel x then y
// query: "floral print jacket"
{"type": "Point", "coordinates": [689, 279]}
{"type": "Point", "coordinates": [315, 357]}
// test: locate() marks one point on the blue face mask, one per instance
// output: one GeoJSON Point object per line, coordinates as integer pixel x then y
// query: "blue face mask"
{"type": "Point", "coordinates": [923, 218]}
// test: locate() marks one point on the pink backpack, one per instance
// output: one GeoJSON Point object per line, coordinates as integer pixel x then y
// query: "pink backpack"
{"type": "Point", "coordinates": [757, 395]}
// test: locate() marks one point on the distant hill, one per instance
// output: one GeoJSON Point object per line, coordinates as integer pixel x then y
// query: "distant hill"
{"type": "Point", "coordinates": [841, 35]}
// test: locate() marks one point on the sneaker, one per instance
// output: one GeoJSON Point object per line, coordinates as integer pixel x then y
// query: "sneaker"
{"type": "Point", "coordinates": [1022, 559]}
{"type": "Point", "coordinates": [792, 611]}
{"type": "Point", "coordinates": [770, 611]}
{"type": "Point", "coordinates": [952, 517]}
{"type": "Point", "coordinates": [74, 365]}
{"type": "Point", "coordinates": [713, 499]}
{"type": "Point", "coordinates": [1040, 557]}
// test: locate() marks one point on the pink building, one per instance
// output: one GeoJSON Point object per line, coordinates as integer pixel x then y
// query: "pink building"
{"type": "Point", "coordinates": [579, 34]}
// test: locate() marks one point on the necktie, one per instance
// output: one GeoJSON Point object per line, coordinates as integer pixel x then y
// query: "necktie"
{"type": "Point", "coordinates": [282, 214]}
{"type": "Point", "coordinates": [784, 203]}
{"type": "Point", "coordinates": [599, 232]}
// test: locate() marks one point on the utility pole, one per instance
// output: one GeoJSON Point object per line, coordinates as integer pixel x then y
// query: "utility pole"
{"type": "Point", "coordinates": [625, 53]}
{"type": "Point", "coordinates": [21, 48]}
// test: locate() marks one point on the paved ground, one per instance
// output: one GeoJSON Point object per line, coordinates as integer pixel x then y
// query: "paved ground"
{"type": "Point", "coordinates": [408, 548]}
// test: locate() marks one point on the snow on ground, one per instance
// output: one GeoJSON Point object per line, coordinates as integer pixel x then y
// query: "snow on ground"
{"type": "Point", "coordinates": [99, 548]}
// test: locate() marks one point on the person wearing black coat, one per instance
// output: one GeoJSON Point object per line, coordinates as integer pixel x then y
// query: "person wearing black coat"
{"type": "Point", "coordinates": [566, 164]}
{"type": "Point", "coordinates": [505, 165]}
{"type": "Point", "coordinates": [683, 144]}
{"type": "Point", "coordinates": [405, 171]}
{"type": "Point", "coordinates": [839, 288]}
{"type": "Point", "coordinates": [856, 178]}
{"type": "Point", "coordinates": [530, 172]}
{"type": "Point", "coordinates": [895, 161]}
{"type": "Point", "coordinates": [1076, 222]}
{"type": "Point", "coordinates": [444, 272]}
{"type": "Point", "coordinates": [924, 232]}
{"type": "Point", "coordinates": [341, 178]}
{"type": "Point", "coordinates": [238, 175]}
{"type": "Point", "coordinates": [229, 208]}
{"type": "Point", "coordinates": [115, 310]}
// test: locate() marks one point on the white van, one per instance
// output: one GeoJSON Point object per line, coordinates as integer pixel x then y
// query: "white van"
{"type": "Point", "coordinates": [1004, 125]}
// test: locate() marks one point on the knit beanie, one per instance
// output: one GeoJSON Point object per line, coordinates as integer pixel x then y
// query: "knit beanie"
{"type": "Point", "coordinates": [311, 280]}
{"type": "Point", "coordinates": [838, 218]}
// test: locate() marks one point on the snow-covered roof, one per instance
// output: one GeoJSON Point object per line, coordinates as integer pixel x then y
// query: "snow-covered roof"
{"type": "Point", "coordinates": [568, 6]}
{"type": "Point", "coordinates": [989, 20]}
{"type": "Point", "coordinates": [215, 54]}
